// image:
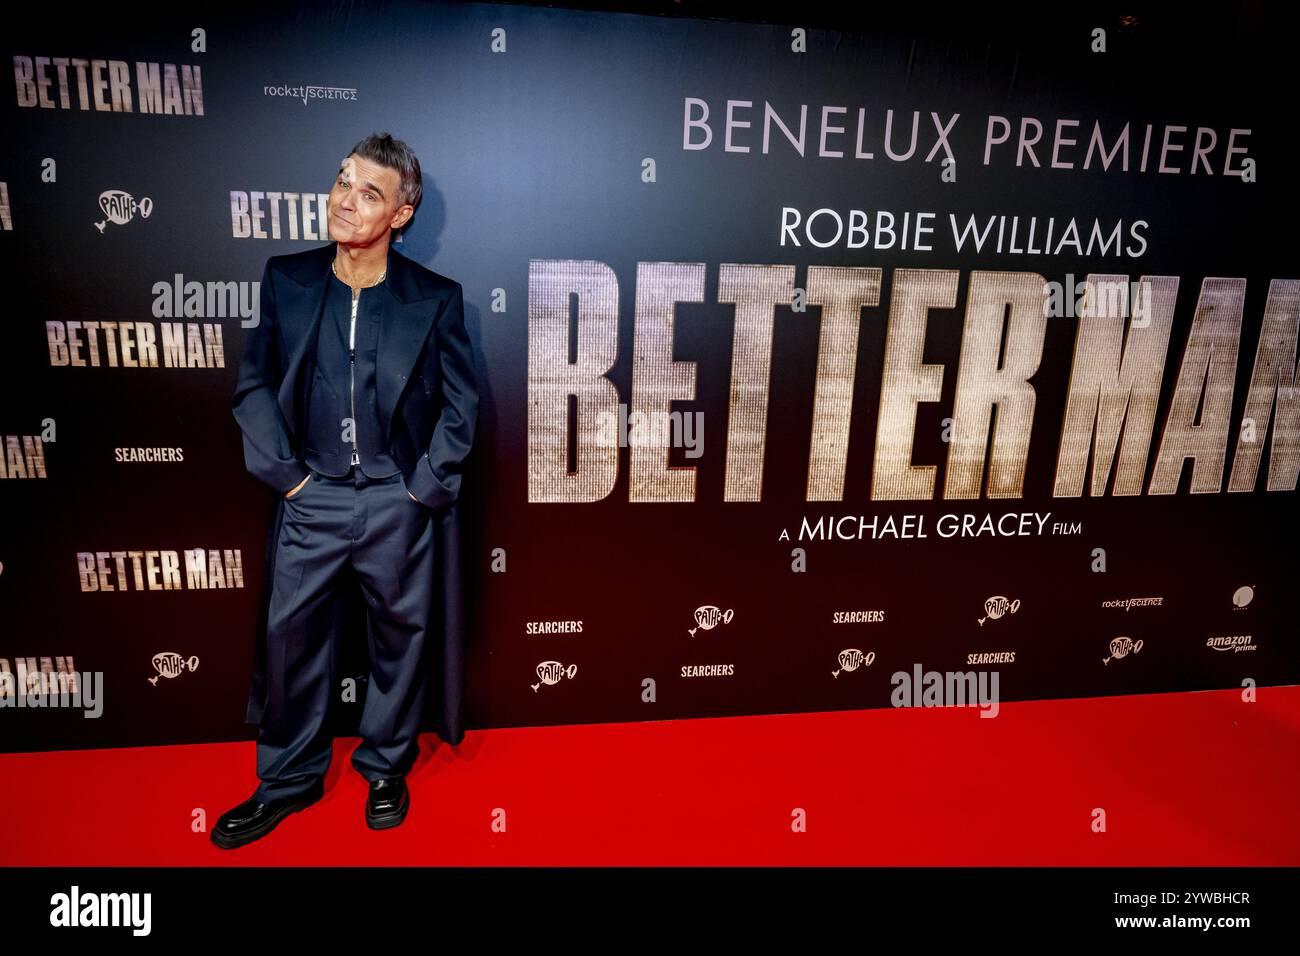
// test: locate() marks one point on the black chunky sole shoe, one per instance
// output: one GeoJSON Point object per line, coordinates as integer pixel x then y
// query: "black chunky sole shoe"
{"type": "Point", "coordinates": [387, 803]}
{"type": "Point", "coordinates": [253, 819]}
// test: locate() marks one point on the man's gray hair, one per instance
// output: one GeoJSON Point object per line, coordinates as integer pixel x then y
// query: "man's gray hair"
{"type": "Point", "coordinates": [381, 148]}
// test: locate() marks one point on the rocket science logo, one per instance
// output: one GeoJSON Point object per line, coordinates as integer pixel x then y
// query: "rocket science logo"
{"type": "Point", "coordinates": [1113, 389]}
{"type": "Point", "coordinates": [1127, 603]}
{"type": "Point", "coordinates": [310, 94]}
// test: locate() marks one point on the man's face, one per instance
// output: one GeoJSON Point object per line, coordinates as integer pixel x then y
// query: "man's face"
{"type": "Point", "coordinates": [364, 202]}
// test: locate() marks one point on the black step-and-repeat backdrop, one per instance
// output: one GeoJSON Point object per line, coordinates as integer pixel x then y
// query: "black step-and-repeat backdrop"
{"type": "Point", "coordinates": [819, 370]}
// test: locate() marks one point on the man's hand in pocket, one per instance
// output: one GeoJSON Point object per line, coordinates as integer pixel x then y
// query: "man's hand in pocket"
{"type": "Point", "coordinates": [295, 489]}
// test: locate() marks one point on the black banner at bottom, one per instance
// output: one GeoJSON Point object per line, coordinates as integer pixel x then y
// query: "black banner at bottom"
{"type": "Point", "coordinates": [562, 905]}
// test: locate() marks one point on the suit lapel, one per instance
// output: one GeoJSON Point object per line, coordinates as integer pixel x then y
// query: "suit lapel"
{"type": "Point", "coordinates": [407, 314]}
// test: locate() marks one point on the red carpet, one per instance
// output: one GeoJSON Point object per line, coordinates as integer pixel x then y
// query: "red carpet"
{"type": "Point", "coordinates": [1195, 779]}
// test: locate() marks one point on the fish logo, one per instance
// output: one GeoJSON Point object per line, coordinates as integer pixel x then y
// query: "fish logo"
{"type": "Point", "coordinates": [119, 207]}
{"type": "Point", "coordinates": [1122, 647]}
{"type": "Point", "coordinates": [851, 659]}
{"type": "Point", "coordinates": [709, 617]}
{"type": "Point", "coordinates": [170, 665]}
{"type": "Point", "coordinates": [550, 672]}
{"type": "Point", "coordinates": [996, 607]}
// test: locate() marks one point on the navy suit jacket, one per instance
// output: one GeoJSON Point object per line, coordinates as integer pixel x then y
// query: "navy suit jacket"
{"type": "Point", "coordinates": [427, 398]}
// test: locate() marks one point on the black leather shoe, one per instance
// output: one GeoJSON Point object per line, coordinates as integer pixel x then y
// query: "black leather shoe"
{"type": "Point", "coordinates": [253, 819]}
{"type": "Point", "coordinates": [387, 803]}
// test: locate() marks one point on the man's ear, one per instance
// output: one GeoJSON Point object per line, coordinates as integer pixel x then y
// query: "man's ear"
{"type": "Point", "coordinates": [402, 216]}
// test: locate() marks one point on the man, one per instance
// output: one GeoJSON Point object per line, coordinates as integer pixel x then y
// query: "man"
{"type": "Point", "coordinates": [357, 401]}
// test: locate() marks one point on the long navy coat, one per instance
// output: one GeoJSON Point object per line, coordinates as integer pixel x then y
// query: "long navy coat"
{"type": "Point", "coordinates": [427, 397]}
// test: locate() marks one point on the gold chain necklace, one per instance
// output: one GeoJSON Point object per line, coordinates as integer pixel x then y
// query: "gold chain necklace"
{"type": "Point", "coordinates": [340, 278]}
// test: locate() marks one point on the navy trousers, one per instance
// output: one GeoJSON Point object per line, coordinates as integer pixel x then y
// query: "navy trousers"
{"type": "Point", "coordinates": [386, 537]}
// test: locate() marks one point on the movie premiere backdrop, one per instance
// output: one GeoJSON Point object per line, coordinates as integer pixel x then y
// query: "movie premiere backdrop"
{"type": "Point", "coordinates": [816, 367]}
